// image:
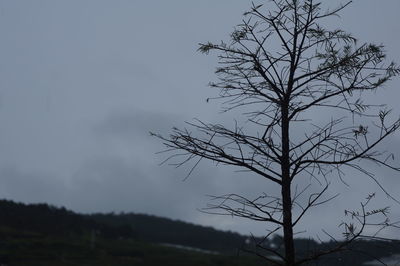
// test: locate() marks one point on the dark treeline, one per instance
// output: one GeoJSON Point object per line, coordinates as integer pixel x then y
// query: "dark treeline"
{"type": "Point", "coordinates": [163, 230]}
{"type": "Point", "coordinates": [45, 219]}
{"type": "Point", "coordinates": [41, 220]}
{"type": "Point", "coordinates": [50, 220]}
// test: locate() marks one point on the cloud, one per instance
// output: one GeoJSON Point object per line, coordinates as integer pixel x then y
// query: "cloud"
{"type": "Point", "coordinates": [111, 183]}
{"type": "Point", "coordinates": [173, 198]}
{"type": "Point", "coordinates": [32, 187]}
{"type": "Point", "coordinates": [128, 123]}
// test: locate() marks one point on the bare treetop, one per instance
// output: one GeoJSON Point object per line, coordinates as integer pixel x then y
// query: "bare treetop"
{"type": "Point", "coordinates": [280, 66]}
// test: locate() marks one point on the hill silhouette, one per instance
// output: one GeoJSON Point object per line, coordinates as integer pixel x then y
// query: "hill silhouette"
{"type": "Point", "coordinates": [163, 230]}
{"type": "Point", "coordinates": [40, 233]}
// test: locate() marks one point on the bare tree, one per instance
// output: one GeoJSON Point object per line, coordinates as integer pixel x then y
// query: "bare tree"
{"type": "Point", "coordinates": [280, 68]}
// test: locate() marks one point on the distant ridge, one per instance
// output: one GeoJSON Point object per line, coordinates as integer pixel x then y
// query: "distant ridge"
{"type": "Point", "coordinates": [46, 219]}
{"type": "Point", "coordinates": [26, 225]}
{"type": "Point", "coordinates": [163, 230]}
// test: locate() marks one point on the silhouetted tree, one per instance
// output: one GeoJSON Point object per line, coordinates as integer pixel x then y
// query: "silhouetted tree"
{"type": "Point", "coordinates": [280, 68]}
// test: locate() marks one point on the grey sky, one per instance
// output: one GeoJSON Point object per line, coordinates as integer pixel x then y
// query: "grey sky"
{"type": "Point", "coordinates": [83, 82]}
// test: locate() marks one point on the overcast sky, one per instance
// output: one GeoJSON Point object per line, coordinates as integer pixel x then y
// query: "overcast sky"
{"type": "Point", "coordinates": [83, 82]}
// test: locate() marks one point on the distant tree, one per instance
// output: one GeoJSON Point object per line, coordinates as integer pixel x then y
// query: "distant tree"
{"type": "Point", "coordinates": [282, 68]}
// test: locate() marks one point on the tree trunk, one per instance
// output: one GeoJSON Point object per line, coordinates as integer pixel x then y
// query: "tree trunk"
{"type": "Point", "coordinates": [286, 191]}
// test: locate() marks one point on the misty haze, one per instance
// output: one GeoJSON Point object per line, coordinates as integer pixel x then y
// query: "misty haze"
{"type": "Point", "coordinates": [98, 97]}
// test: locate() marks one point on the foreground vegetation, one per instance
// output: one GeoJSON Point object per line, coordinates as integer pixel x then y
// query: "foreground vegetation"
{"type": "Point", "coordinates": [27, 249]}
